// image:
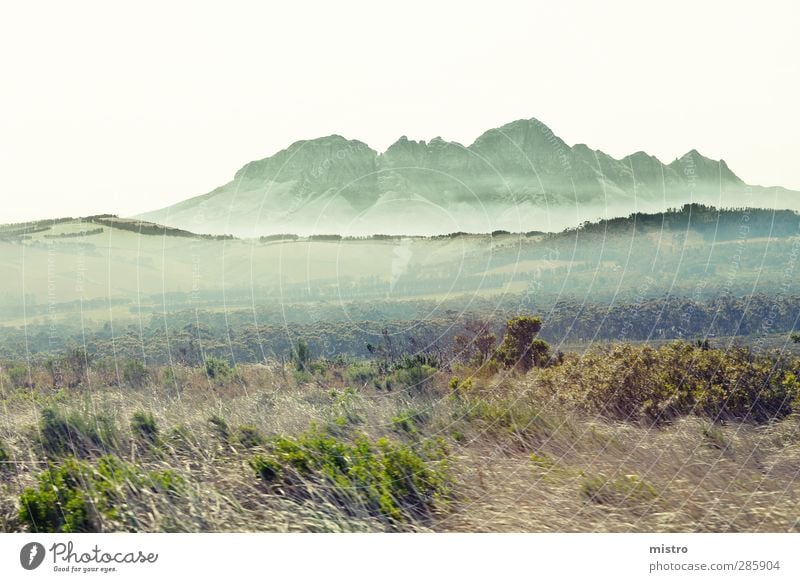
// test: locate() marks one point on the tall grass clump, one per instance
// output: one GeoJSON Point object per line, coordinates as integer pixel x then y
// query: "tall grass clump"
{"type": "Point", "coordinates": [62, 434]}
{"type": "Point", "coordinates": [382, 478]}
{"type": "Point", "coordinates": [144, 427]}
{"type": "Point", "coordinates": [5, 457]}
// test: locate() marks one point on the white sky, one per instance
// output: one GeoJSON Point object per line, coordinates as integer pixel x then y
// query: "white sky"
{"type": "Point", "coordinates": [123, 110]}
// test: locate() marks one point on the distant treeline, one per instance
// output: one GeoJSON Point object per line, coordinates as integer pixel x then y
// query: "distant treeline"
{"type": "Point", "coordinates": [150, 228]}
{"type": "Point", "coordinates": [89, 232]}
{"type": "Point", "coordinates": [23, 229]}
{"type": "Point", "coordinates": [191, 336]}
{"type": "Point", "coordinates": [713, 222]}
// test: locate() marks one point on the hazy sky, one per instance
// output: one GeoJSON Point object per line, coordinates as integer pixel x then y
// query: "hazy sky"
{"type": "Point", "coordinates": [105, 108]}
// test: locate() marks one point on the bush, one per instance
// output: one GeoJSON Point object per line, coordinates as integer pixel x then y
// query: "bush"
{"type": "Point", "coordinates": [219, 370]}
{"type": "Point", "coordinates": [135, 374]}
{"type": "Point", "coordinates": [459, 388]}
{"type": "Point", "coordinates": [144, 427]}
{"type": "Point", "coordinates": [78, 360]}
{"type": "Point", "coordinates": [77, 496]}
{"type": "Point", "coordinates": [524, 420]}
{"type": "Point", "coordinates": [384, 478]}
{"type": "Point", "coordinates": [60, 434]}
{"type": "Point", "coordinates": [302, 356]}
{"type": "Point", "coordinates": [418, 377]}
{"type": "Point", "coordinates": [360, 374]}
{"type": "Point", "coordinates": [19, 376]}
{"type": "Point", "coordinates": [519, 348]}
{"type": "Point", "coordinates": [630, 382]}
{"type": "Point", "coordinates": [60, 504]}
{"type": "Point", "coordinates": [540, 353]}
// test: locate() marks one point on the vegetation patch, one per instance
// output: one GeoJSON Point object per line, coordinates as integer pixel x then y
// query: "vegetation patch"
{"type": "Point", "coordinates": [383, 478]}
{"type": "Point", "coordinates": [618, 491]}
{"type": "Point", "coordinates": [144, 428]}
{"type": "Point", "coordinates": [135, 374]}
{"type": "Point", "coordinates": [633, 382]}
{"type": "Point", "coordinates": [77, 496]}
{"type": "Point", "coordinates": [219, 370]}
{"type": "Point", "coordinates": [409, 421]}
{"type": "Point", "coordinates": [250, 437]}
{"type": "Point", "coordinates": [219, 427]}
{"type": "Point", "coordinates": [542, 460]}
{"type": "Point", "coordinates": [73, 434]}
{"type": "Point", "coordinates": [5, 458]}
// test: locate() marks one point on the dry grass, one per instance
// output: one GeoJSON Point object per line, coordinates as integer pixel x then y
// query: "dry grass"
{"type": "Point", "coordinates": [517, 462]}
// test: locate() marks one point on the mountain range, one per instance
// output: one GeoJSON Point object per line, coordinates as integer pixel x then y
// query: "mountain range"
{"type": "Point", "coordinates": [518, 177]}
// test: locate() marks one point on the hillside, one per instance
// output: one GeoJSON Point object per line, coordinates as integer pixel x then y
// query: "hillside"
{"type": "Point", "coordinates": [518, 177]}
{"type": "Point", "coordinates": [106, 272]}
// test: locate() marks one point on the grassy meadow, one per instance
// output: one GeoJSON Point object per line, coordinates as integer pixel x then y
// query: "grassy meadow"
{"type": "Point", "coordinates": [683, 437]}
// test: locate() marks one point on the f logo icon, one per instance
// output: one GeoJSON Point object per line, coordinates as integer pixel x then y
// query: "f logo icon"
{"type": "Point", "coordinates": [31, 555]}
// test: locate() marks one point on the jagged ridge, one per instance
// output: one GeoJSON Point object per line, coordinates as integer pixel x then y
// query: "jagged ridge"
{"type": "Point", "coordinates": [520, 175]}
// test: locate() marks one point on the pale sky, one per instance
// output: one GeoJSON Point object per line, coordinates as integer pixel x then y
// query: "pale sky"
{"type": "Point", "coordinates": [106, 107]}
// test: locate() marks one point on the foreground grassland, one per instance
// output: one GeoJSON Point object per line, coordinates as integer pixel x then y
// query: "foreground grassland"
{"type": "Point", "coordinates": [622, 438]}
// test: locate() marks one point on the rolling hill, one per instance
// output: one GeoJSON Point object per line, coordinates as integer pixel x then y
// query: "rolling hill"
{"type": "Point", "coordinates": [101, 268]}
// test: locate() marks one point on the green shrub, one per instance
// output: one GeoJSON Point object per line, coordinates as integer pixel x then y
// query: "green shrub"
{"type": "Point", "coordinates": [76, 435]}
{"type": "Point", "coordinates": [631, 382]}
{"type": "Point", "coordinates": [135, 374]}
{"type": "Point", "coordinates": [144, 427]}
{"type": "Point", "coordinates": [518, 418]}
{"type": "Point", "coordinates": [418, 378]}
{"type": "Point", "coordinates": [519, 348]}
{"type": "Point", "coordinates": [459, 388]}
{"type": "Point", "coordinates": [540, 353]}
{"type": "Point", "coordinates": [385, 478]}
{"type": "Point", "coordinates": [301, 356]}
{"type": "Point", "coordinates": [77, 496]}
{"type": "Point", "coordinates": [360, 374]}
{"type": "Point", "coordinates": [219, 370]}
{"type": "Point", "coordinates": [60, 503]}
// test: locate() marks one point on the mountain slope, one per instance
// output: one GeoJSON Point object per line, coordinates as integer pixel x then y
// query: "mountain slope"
{"type": "Point", "coordinates": [519, 177]}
